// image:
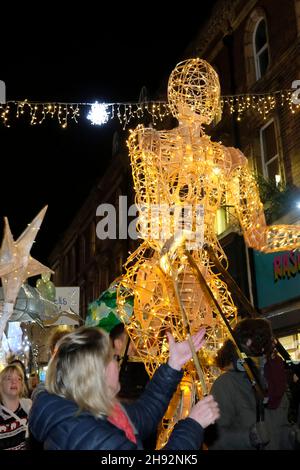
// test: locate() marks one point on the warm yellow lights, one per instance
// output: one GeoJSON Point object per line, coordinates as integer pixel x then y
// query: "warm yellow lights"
{"type": "Point", "coordinates": [194, 91]}
{"type": "Point", "coordinates": [66, 113]}
{"type": "Point", "coordinates": [180, 172]}
{"type": "Point", "coordinates": [182, 179]}
{"type": "Point", "coordinates": [262, 104]}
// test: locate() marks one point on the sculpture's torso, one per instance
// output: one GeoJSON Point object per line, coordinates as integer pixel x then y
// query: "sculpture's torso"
{"type": "Point", "coordinates": [180, 168]}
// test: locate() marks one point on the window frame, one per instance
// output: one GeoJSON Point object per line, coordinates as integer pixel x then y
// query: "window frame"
{"type": "Point", "coordinates": [277, 156]}
{"type": "Point", "coordinates": [256, 53]}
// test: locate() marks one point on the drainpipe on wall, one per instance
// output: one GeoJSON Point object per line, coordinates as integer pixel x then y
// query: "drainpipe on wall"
{"type": "Point", "coordinates": [228, 42]}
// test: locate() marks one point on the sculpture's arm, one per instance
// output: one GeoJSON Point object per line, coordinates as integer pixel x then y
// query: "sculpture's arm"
{"type": "Point", "coordinates": [142, 142]}
{"type": "Point", "coordinates": [250, 211]}
{"type": "Point", "coordinates": [144, 148]}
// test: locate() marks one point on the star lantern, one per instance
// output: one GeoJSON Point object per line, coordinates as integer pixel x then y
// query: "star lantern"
{"type": "Point", "coordinates": [16, 264]}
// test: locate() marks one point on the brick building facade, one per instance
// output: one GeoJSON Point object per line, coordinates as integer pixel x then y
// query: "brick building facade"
{"type": "Point", "coordinates": [253, 45]}
{"type": "Point", "coordinates": [81, 258]}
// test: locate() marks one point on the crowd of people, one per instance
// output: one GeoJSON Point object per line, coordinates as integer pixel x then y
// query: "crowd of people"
{"type": "Point", "coordinates": [91, 402]}
{"type": "Point", "coordinates": [249, 421]}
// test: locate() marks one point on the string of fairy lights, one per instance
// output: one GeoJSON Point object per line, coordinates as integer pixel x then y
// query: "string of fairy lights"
{"type": "Point", "coordinates": [101, 113]}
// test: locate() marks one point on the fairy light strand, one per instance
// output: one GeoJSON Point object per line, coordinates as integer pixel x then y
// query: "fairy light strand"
{"type": "Point", "coordinates": [67, 113]}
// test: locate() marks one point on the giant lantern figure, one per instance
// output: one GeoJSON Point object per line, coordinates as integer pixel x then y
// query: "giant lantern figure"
{"type": "Point", "coordinates": [181, 179]}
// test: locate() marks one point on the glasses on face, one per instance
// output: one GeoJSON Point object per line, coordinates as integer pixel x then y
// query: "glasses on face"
{"type": "Point", "coordinates": [116, 357]}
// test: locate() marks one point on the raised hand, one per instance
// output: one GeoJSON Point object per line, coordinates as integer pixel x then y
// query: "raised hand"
{"type": "Point", "coordinates": [180, 353]}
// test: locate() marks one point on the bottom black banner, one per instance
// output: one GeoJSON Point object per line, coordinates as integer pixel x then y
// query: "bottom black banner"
{"type": "Point", "coordinates": [138, 459]}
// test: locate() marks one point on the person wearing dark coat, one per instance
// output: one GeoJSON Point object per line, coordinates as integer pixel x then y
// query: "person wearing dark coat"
{"type": "Point", "coordinates": [238, 427]}
{"type": "Point", "coordinates": [133, 376]}
{"type": "Point", "coordinates": [79, 409]}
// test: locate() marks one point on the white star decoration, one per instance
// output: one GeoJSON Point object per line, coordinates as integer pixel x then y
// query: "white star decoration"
{"type": "Point", "coordinates": [16, 264]}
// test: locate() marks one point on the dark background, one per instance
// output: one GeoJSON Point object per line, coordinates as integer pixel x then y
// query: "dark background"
{"type": "Point", "coordinates": [106, 57]}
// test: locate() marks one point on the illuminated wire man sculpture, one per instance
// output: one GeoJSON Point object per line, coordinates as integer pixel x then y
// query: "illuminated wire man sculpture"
{"type": "Point", "coordinates": [181, 179]}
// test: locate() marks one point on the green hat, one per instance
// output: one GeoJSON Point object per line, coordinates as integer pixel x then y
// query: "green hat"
{"type": "Point", "coordinates": [103, 312]}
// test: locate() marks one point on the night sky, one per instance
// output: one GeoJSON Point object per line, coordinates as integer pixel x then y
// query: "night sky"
{"type": "Point", "coordinates": [107, 59]}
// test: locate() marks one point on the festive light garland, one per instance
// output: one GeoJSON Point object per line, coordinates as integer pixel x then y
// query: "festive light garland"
{"type": "Point", "coordinates": [66, 113]}
{"type": "Point", "coordinates": [181, 179]}
{"type": "Point", "coordinates": [262, 103]}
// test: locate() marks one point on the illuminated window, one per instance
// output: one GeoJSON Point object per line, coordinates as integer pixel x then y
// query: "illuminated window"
{"type": "Point", "coordinates": [221, 223]}
{"type": "Point", "coordinates": [270, 152]}
{"type": "Point", "coordinates": [260, 48]}
{"type": "Point", "coordinates": [292, 344]}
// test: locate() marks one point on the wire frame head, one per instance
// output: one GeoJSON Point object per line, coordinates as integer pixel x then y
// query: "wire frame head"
{"type": "Point", "coordinates": [194, 91]}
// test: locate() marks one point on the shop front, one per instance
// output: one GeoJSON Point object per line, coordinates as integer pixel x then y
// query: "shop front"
{"type": "Point", "coordinates": [277, 283]}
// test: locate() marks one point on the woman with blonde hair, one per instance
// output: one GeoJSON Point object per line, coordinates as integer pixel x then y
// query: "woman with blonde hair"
{"type": "Point", "coordinates": [79, 409]}
{"type": "Point", "coordinates": [14, 409]}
